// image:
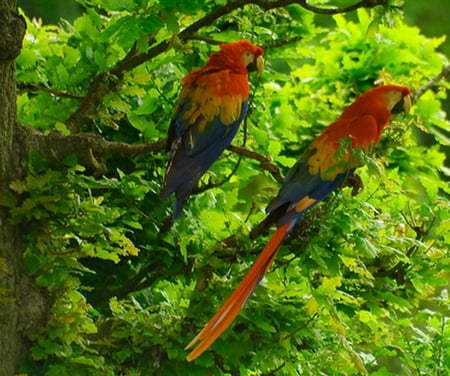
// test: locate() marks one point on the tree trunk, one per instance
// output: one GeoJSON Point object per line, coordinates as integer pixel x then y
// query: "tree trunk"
{"type": "Point", "coordinates": [23, 306]}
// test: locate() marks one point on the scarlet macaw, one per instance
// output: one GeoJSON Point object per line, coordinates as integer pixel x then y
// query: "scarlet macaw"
{"type": "Point", "coordinates": [213, 102]}
{"type": "Point", "coordinates": [321, 169]}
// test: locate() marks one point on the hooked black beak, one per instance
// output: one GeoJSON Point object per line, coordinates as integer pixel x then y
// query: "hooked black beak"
{"type": "Point", "coordinates": [404, 105]}
{"type": "Point", "coordinates": [256, 65]}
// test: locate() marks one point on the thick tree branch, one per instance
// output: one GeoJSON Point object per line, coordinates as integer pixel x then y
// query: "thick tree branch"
{"type": "Point", "coordinates": [89, 148]}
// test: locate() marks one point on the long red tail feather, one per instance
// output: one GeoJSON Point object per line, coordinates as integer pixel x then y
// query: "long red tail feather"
{"type": "Point", "coordinates": [231, 308]}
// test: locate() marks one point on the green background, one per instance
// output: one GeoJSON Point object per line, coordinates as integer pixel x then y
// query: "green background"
{"type": "Point", "coordinates": [432, 20]}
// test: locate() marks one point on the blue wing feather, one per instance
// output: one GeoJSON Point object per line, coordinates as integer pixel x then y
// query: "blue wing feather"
{"type": "Point", "coordinates": [300, 183]}
{"type": "Point", "coordinates": [194, 149]}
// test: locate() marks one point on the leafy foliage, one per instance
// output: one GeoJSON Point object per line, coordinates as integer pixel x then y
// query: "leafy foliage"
{"type": "Point", "coordinates": [360, 288]}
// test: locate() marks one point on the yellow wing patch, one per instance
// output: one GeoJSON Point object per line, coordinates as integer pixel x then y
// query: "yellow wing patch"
{"type": "Point", "coordinates": [304, 203]}
{"type": "Point", "coordinates": [328, 164]}
{"type": "Point", "coordinates": [332, 153]}
{"type": "Point", "coordinates": [208, 99]}
{"type": "Point", "coordinates": [231, 109]}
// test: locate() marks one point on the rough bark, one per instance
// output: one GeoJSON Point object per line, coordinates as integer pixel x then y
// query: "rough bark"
{"type": "Point", "coordinates": [90, 149]}
{"type": "Point", "coordinates": [23, 306]}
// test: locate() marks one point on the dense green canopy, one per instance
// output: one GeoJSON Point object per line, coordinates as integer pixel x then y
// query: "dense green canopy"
{"type": "Point", "coordinates": [361, 285]}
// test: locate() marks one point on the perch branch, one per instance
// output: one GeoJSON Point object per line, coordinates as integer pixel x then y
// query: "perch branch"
{"type": "Point", "coordinates": [89, 148]}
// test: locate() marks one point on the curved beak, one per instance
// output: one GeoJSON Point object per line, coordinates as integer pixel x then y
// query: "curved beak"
{"type": "Point", "coordinates": [256, 65]}
{"type": "Point", "coordinates": [404, 105]}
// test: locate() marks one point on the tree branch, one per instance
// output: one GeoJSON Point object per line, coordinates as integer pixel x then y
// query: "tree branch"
{"type": "Point", "coordinates": [29, 86]}
{"type": "Point", "coordinates": [269, 4]}
{"type": "Point", "coordinates": [89, 148]}
{"type": "Point", "coordinates": [281, 43]}
{"type": "Point", "coordinates": [265, 162]}
{"type": "Point", "coordinates": [351, 8]}
{"type": "Point", "coordinates": [433, 83]}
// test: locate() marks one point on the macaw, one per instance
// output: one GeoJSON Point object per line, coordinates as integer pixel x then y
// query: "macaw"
{"type": "Point", "coordinates": [321, 169]}
{"type": "Point", "coordinates": [212, 103]}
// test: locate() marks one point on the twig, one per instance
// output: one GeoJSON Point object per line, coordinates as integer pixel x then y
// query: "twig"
{"type": "Point", "coordinates": [160, 92]}
{"type": "Point", "coordinates": [264, 161]}
{"type": "Point", "coordinates": [211, 184]}
{"type": "Point", "coordinates": [29, 86]}
{"type": "Point", "coordinates": [433, 83]}
{"type": "Point", "coordinates": [311, 319]}
{"type": "Point", "coordinates": [206, 39]}
{"type": "Point", "coordinates": [281, 43]}
{"type": "Point", "coordinates": [351, 8]}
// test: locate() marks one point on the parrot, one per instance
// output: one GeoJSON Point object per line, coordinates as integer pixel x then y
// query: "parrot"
{"type": "Point", "coordinates": [321, 169]}
{"type": "Point", "coordinates": [213, 101]}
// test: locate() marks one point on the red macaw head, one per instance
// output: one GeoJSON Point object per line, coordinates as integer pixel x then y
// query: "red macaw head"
{"type": "Point", "coordinates": [242, 52]}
